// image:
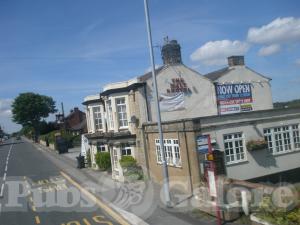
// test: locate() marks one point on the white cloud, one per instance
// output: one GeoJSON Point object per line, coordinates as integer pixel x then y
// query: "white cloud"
{"type": "Point", "coordinates": [216, 52]}
{"type": "Point", "coordinates": [269, 50]}
{"type": "Point", "coordinates": [5, 107]}
{"type": "Point", "coordinates": [280, 30]}
{"type": "Point", "coordinates": [297, 62]}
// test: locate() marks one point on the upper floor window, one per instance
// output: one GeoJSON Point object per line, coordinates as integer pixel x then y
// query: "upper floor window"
{"type": "Point", "coordinates": [110, 115]}
{"type": "Point", "coordinates": [234, 148]}
{"type": "Point", "coordinates": [282, 139]}
{"type": "Point", "coordinates": [172, 151]}
{"type": "Point", "coordinates": [121, 111]}
{"type": "Point", "coordinates": [97, 118]}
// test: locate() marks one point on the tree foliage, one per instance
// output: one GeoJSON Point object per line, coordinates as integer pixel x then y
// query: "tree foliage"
{"type": "Point", "coordinates": [29, 108]}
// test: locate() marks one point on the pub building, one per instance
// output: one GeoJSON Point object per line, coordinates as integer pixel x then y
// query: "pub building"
{"type": "Point", "coordinates": [233, 105]}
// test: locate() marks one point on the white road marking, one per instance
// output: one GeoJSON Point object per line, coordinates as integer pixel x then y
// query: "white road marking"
{"type": "Point", "coordinates": [4, 176]}
{"type": "Point", "coordinates": [2, 188]}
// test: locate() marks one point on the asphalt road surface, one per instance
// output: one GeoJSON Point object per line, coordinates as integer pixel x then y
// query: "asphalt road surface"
{"type": "Point", "coordinates": [33, 191]}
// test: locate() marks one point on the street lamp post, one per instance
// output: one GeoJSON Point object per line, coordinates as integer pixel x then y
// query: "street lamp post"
{"type": "Point", "coordinates": [161, 140]}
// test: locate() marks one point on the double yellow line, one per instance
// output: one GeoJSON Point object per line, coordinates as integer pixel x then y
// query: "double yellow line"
{"type": "Point", "coordinates": [100, 203]}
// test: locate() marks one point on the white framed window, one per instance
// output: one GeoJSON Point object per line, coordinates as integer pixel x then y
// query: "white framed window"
{"type": "Point", "coordinates": [172, 152]}
{"type": "Point", "coordinates": [282, 139]}
{"type": "Point", "coordinates": [234, 148]}
{"type": "Point", "coordinates": [125, 149]}
{"type": "Point", "coordinates": [110, 114]}
{"type": "Point", "coordinates": [97, 118]}
{"type": "Point", "coordinates": [101, 147]}
{"type": "Point", "coordinates": [121, 111]}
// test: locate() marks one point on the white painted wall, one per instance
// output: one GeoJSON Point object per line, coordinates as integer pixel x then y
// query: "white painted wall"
{"type": "Point", "coordinates": [259, 162]}
{"type": "Point", "coordinates": [201, 102]}
{"type": "Point", "coordinates": [261, 87]}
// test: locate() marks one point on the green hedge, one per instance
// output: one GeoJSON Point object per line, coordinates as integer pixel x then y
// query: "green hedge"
{"type": "Point", "coordinates": [88, 159]}
{"type": "Point", "coordinates": [127, 161]}
{"type": "Point", "coordinates": [103, 160]}
{"type": "Point", "coordinates": [71, 140]}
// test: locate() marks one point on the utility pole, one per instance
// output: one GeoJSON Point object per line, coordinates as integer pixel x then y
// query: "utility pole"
{"type": "Point", "coordinates": [161, 139]}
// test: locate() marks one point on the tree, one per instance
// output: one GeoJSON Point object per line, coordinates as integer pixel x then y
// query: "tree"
{"type": "Point", "coordinates": [29, 108]}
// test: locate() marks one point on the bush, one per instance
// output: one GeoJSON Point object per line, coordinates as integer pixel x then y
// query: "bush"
{"type": "Point", "coordinates": [76, 140]}
{"type": "Point", "coordinates": [127, 161]}
{"type": "Point", "coordinates": [103, 160]}
{"type": "Point", "coordinates": [130, 168]}
{"type": "Point", "coordinates": [69, 138]}
{"type": "Point", "coordinates": [88, 159]}
{"type": "Point", "coordinates": [279, 216]}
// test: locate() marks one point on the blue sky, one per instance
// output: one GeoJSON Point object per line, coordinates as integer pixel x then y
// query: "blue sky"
{"type": "Point", "coordinates": [69, 49]}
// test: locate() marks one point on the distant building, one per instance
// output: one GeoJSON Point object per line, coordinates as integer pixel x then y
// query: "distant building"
{"type": "Point", "coordinates": [74, 122]}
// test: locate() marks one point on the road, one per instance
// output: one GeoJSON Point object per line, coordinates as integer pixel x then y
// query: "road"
{"type": "Point", "coordinates": [34, 191]}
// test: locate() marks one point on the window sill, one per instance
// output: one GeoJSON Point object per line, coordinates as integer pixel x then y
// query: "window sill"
{"type": "Point", "coordinates": [171, 165]}
{"type": "Point", "coordinates": [285, 152]}
{"type": "Point", "coordinates": [236, 163]}
{"type": "Point", "coordinates": [123, 128]}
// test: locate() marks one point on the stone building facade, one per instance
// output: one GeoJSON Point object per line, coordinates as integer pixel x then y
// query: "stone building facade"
{"type": "Point", "coordinates": [230, 134]}
{"type": "Point", "coordinates": [118, 116]}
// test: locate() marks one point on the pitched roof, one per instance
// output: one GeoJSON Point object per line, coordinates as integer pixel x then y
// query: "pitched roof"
{"type": "Point", "coordinates": [148, 75]}
{"type": "Point", "coordinates": [79, 126]}
{"type": "Point", "coordinates": [215, 75]}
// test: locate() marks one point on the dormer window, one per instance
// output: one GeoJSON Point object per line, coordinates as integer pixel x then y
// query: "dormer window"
{"type": "Point", "coordinates": [121, 112]}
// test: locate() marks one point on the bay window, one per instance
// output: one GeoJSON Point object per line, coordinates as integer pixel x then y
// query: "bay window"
{"type": "Point", "coordinates": [121, 112]}
{"type": "Point", "coordinates": [97, 118]}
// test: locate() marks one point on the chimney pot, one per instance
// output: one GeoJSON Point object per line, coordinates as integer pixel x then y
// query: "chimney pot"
{"type": "Point", "coordinates": [236, 60]}
{"type": "Point", "coordinates": [171, 53]}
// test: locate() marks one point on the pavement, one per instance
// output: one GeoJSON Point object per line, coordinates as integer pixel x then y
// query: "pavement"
{"type": "Point", "coordinates": [137, 202]}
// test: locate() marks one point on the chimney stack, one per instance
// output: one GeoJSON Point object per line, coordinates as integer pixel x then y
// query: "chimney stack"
{"type": "Point", "coordinates": [171, 53]}
{"type": "Point", "coordinates": [236, 60]}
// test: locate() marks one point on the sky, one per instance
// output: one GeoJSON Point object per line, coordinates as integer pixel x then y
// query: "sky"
{"type": "Point", "coordinates": [68, 49]}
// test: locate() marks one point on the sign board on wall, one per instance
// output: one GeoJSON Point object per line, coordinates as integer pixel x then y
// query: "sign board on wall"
{"type": "Point", "coordinates": [171, 102]}
{"type": "Point", "coordinates": [234, 98]}
{"type": "Point", "coordinates": [202, 144]}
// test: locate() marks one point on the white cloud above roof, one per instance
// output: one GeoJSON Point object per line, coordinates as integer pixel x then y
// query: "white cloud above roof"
{"type": "Point", "coordinates": [297, 62]}
{"type": "Point", "coordinates": [280, 30]}
{"type": "Point", "coordinates": [216, 52]}
{"type": "Point", "coordinates": [5, 107]}
{"type": "Point", "coordinates": [269, 50]}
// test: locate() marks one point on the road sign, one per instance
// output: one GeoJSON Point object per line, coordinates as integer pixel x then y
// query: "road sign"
{"type": "Point", "coordinates": [202, 144]}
